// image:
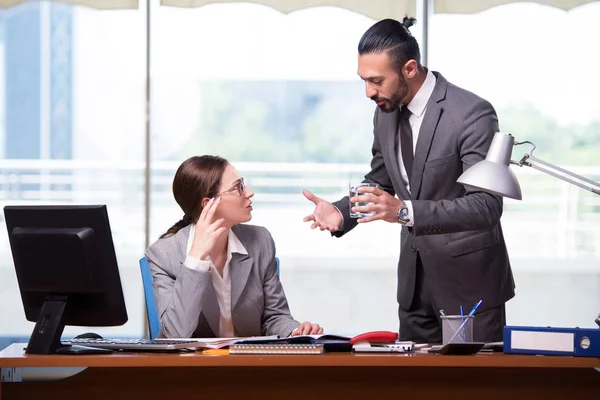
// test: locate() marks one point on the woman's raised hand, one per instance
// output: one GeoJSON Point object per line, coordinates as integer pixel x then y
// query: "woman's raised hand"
{"type": "Point", "coordinates": [207, 230]}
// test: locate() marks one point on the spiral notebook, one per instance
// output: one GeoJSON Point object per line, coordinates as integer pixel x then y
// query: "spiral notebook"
{"type": "Point", "coordinates": [277, 348]}
{"type": "Point", "coordinates": [329, 343]}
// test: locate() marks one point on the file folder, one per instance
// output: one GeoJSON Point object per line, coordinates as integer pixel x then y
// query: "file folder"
{"type": "Point", "coordinates": [578, 342]}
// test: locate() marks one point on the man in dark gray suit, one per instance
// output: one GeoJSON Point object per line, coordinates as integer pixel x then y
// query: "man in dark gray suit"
{"type": "Point", "coordinates": [427, 132]}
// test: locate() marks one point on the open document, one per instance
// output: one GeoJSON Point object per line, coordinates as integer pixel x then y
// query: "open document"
{"type": "Point", "coordinates": [219, 343]}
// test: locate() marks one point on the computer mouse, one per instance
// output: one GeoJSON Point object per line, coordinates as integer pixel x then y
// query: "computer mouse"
{"type": "Point", "coordinates": [89, 335]}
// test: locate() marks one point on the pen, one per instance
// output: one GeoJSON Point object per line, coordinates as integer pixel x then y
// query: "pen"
{"type": "Point", "coordinates": [462, 319]}
{"type": "Point", "coordinates": [475, 307]}
{"type": "Point", "coordinates": [460, 328]}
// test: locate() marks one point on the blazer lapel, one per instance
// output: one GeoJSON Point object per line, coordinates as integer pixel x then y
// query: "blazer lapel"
{"type": "Point", "coordinates": [211, 309]}
{"type": "Point", "coordinates": [182, 237]}
{"type": "Point", "coordinates": [426, 134]}
{"type": "Point", "coordinates": [239, 268]}
{"type": "Point", "coordinates": [210, 306]}
{"type": "Point", "coordinates": [391, 147]}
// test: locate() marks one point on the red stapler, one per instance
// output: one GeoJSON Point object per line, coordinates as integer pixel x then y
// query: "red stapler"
{"type": "Point", "coordinates": [375, 336]}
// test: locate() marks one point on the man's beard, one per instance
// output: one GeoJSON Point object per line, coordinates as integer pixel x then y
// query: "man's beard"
{"type": "Point", "coordinates": [393, 103]}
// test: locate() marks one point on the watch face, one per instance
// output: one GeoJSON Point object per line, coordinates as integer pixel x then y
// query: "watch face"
{"type": "Point", "coordinates": [403, 213]}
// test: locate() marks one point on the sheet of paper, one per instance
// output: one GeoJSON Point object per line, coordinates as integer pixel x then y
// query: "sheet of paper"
{"type": "Point", "coordinates": [217, 343]}
{"type": "Point", "coordinates": [325, 337]}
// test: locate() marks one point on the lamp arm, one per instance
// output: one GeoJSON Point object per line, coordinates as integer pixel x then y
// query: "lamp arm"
{"type": "Point", "coordinates": [547, 168]}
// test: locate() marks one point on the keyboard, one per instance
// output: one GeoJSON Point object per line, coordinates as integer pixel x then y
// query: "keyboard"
{"type": "Point", "coordinates": [135, 344]}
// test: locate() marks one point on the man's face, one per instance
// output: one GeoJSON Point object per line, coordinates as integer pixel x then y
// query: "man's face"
{"type": "Point", "coordinates": [383, 85]}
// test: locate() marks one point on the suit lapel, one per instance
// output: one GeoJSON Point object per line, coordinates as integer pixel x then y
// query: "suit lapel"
{"type": "Point", "coordinates": [391, 147]}
{"type": "Point", "coordinates": [239, 268]}
{"type": "Point", "coordinates": [427, 133]}
{"type": "Point", "coordinates": [182, 240]}
{"type": "Point", "coordinates": [211, 309]}
{"type": "Point", "coordinates": [210, 305]}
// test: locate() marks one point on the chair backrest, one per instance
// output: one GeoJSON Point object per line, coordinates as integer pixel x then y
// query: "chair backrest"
{"type": "Point", "coordinates": [151, 310]}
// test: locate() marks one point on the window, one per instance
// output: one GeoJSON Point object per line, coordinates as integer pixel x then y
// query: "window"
{"type": "Point", "coordinates": [72, 132]}
{"type": "Point", "coordinates": [279, 96]}
{"type": "Point", "coordinates": [535, 64]}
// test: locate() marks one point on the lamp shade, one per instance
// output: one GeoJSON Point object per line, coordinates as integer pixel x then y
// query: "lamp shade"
{"type": "Point", "coordinates": [493, 175]}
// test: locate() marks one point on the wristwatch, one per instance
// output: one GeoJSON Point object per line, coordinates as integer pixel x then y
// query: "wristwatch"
{"type": "Point", "coordinates": [403, 214]}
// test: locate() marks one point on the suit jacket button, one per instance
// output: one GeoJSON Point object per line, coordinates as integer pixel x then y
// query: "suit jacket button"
{"type": "Point", "coordinates": [413, 249]}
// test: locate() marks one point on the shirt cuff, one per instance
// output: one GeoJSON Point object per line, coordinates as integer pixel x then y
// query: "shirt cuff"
{"type": "Point", "coordinates": [411, 213]}
{"type": "Point", "coordinates": [197, 264]}
{"type": "Point", "coordinates": [341, 215]}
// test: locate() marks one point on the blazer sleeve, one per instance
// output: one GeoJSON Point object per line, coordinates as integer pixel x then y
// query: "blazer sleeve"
{"type": "Point", "coordinates": [378, 174]}
{"type": "Point", "coordinates": [475, 210]}
{"type": "Point", "coordinates": [178, 291]}
{"type": "Point", "coordinates": [276, 316]}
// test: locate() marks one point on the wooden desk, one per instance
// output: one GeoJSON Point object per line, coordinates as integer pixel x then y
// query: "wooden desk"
{"type": "Point", "coordinates": [329, 376]}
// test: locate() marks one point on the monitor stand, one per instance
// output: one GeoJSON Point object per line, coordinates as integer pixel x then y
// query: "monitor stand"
{"type": "Point", "coordinates": [49, 327]}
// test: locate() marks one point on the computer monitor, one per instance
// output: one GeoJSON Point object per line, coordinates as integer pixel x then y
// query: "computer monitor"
{"type": "Point", "coordinates": [67, 271]}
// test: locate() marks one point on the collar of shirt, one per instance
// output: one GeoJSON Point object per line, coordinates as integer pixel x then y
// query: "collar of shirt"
{"type": "Point", "coordinates": [418, 104]}
{"type": "Point", "coordinates": [233, 243]}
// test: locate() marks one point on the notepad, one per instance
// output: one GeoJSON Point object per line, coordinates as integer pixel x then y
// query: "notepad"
{"type": "Point", "coordinates": [330, 343]}
{"type": "Point", "coordinates": [304, 339]}
{"type": "Point", "coordinates": [278, 348]}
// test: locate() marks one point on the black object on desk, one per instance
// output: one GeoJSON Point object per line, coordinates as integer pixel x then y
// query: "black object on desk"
{"type": "Point", "coordinates": [67, 271]}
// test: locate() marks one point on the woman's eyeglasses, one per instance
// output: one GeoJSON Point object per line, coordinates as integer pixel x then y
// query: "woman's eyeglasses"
{"type": "Point", "coordinates": [240, 187]}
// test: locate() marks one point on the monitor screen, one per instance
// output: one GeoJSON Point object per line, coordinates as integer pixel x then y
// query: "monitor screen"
{"type": "Point", "coordinates": [67, 270]}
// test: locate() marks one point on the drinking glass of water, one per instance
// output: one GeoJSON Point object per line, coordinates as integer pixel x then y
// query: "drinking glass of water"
{"type": "Point", "coordinates": [353, 192]}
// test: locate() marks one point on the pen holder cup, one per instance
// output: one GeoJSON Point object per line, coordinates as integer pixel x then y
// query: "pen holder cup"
{"type": "Point", "coordinates": [457, 329]}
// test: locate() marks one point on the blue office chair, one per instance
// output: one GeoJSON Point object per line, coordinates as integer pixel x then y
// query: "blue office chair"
{"type": "Point", "coordinates": [151, 310]}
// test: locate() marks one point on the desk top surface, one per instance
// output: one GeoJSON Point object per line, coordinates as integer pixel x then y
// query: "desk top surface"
{"type": "Point", "coordinates": [15, 357]}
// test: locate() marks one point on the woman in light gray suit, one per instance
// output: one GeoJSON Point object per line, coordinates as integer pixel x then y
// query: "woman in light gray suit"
{"type": "Point", "coordinates": [213, 275]}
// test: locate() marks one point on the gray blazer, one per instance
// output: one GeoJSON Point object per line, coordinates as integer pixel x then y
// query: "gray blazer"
{"type": "Point", "coordinates": [186, 300]}
{"type": "Point", "coordinates": [456, 232]}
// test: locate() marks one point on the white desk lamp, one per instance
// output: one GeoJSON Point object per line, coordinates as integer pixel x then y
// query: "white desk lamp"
{"type": "Point", "coordinates": [493, 175]}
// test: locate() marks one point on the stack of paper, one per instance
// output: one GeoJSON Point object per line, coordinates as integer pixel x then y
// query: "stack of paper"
{"type": "Point", "coordinates": [219, 343]}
